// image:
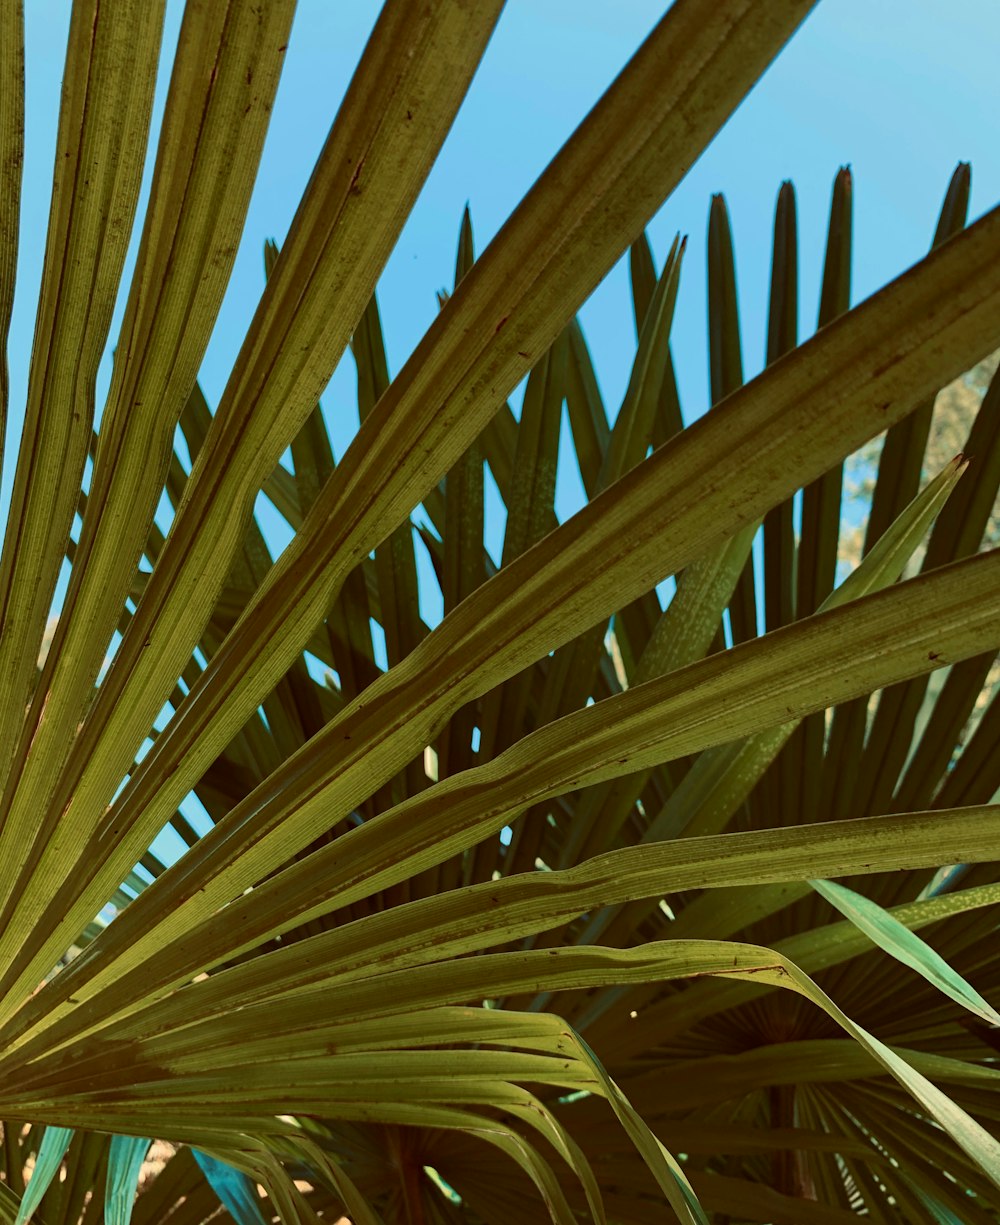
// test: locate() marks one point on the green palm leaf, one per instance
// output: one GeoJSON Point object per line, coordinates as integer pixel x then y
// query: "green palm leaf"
{"type": "Point", "coordinates": [519, 913]}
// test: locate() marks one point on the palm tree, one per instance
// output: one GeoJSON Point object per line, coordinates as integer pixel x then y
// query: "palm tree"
{"type": "Point", "coordinates": [528, 917]}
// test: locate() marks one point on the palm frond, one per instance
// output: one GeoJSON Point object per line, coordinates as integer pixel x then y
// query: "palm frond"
{"type": "Point", "coordinates": [520, 910]}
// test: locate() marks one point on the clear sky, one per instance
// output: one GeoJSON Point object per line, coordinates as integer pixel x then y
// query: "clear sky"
{"type": "Point", "coordinates": [900, 89]}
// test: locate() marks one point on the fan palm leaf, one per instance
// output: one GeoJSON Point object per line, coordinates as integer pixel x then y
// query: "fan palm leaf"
{"type": "Point", "coordinates": [524, 909]}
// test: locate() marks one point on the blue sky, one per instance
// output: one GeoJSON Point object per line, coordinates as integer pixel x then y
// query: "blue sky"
{"type": "Point", "coordinates": [897, 88]}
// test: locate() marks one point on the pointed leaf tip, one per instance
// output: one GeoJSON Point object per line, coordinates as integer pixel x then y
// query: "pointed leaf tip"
{"type": "Point", "coordinates": [905, 946]}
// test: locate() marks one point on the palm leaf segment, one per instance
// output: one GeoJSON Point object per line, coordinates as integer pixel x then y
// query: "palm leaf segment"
{"type": "Point", "coordinates": [522, 912]}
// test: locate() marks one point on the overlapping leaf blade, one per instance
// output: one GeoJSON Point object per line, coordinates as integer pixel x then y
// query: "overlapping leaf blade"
{"type": "Point", "coordinates": [370, 937]}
